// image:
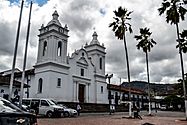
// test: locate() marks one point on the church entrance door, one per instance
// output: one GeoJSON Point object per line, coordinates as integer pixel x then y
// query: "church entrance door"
{"type": "Point", "coordinates": [81, 92]}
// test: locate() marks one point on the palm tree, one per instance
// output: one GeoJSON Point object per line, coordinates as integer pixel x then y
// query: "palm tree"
{"type": "Point", "coordinates": [120, 27]}
{"type": "Point", "coordinates": [174, 13]}
{"type": "Point", "coordinates": [146, 43]}
{"type": "Point", "coordinates": [183, 41]}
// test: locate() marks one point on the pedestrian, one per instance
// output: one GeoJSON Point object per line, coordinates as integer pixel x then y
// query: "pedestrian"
{"type": "Point", "coordinates": [138, 111]}
{"type": "Point", "coordinates": [136, 114]}
{"type": "Point", "coordinates": [78, 109]}
{"type": "Point", "coordinates": [35, 108]}
{"type": "Point", "coordinates": [15, 93]}
{"type": "Point", "coordinates": [2, 93]}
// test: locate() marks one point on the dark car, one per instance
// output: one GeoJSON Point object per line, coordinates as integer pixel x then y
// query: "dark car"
{"type": "Point", "coordinates": [10, 114]}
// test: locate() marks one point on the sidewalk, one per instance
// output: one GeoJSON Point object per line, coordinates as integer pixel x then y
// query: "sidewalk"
{"type": "Point", "coordinates": [122, 117]}
{"type": "Point", "coordinates": [155, 119]}
{"type": "Point", "coordinates": [114, 119]}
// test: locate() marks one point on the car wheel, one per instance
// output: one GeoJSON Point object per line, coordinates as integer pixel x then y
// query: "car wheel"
{"type": "Point", "coordinates": [49, 114]}
{"type": "Point", "coordinates": [66, 114]}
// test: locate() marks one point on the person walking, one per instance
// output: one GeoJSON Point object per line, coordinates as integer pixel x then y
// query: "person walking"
{"type": "Point", "coordinates": [136, 113]}
{"type": "Point", "coordinates": [2, 93]}
{"type": "Point", "coordinates": [78, 109]}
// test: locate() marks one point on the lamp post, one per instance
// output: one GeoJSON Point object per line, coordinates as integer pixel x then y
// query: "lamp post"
{"type": "Point", "coordinates": [109, 91]}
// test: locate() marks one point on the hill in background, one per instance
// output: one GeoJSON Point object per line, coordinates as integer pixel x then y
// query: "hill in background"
{"type": "Point", "coordinates": [155, 88]}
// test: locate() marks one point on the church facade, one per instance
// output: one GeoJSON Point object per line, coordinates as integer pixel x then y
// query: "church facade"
{"type": "Point", "coordinates": [76, 78]}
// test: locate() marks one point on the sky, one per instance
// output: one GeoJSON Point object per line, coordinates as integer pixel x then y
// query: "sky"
{"type": "Point", "coordinates": [83, 17]}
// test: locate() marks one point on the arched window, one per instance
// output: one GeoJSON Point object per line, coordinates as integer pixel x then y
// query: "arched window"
{"type": "Point", "coordinates": [40, 82]}
{"type": "Point", "coordinates": [101, 89]}
{"type": "Point", "coordinates": [100, 63]}
{"type": "Point", "coordinates": [59, 49]}
{"type": "Point", "coordinates": [82, 72]}
{"type": "Point", "coordinates": [44, 48]}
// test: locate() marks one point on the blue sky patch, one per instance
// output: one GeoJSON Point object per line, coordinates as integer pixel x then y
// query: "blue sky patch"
{"type": "Point", "coordinates": [102, 11]}
{"type": "Point", "coordinates": [40, 2]}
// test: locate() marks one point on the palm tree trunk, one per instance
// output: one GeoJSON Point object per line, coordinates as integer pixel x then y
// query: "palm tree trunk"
{"type": "Point", "coordinates": [128, 75]}
{"type": "Point", "coordinates": [182, 68]}
{"type": "Point", "coordinates": [148, 81]}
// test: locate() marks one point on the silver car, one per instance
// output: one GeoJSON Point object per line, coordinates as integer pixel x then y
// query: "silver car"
{"type": "Point", "coordinates": [68, 112]}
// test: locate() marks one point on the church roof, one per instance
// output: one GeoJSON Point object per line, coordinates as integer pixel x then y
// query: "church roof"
{"type": "Point", "coordinates": [5, 80]}
{"type": "Point", "coordinates": [94, 40]}
{"type": "Point", "coordinates": [55, 19]}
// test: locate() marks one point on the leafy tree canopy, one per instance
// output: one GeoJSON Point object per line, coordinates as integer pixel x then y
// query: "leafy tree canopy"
{"type": "Point", "coordinates": [120, 25]}
{"type": "Point", "coordinates": [174, 10]}
{"type": "Point", "coordinates": [145, 42]}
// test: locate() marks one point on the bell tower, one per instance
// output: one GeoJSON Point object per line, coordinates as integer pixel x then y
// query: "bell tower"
{"type": "Point", "coordinates": [97, 54]}
{"type": "Point", "coordinates": [51, 67]}
{"type": "Point", "coordinates": [53, 42]}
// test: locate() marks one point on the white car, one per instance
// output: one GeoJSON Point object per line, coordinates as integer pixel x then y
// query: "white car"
{"type": "Point", "coordinates": [43, 107]}
{"type": "Point", "coordinates": [163, 107]}
{"type": "Point", "coordinates": [68, 112]}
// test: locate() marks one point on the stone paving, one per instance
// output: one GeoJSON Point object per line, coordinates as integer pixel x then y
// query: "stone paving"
{"type": "Point", "coordinates": [112, 120]}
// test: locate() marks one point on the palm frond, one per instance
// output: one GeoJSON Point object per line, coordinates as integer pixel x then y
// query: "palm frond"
{"type": "Point", "coordinates": [182, 43]}
{"type": "Point", "coordinates": [164, 7]}
{"type": "Point", "coordinates": [185, 1]}
{"type": "Point", "coordinates": [112, 24]}
{"type": "Point", "coordinates": [130, 29]}
{"type": "Point", "coordinates": [138, 37]}
{"type": "Point", "coordinates": [120, 26]}
{"type": "Point", "coordinates": [182, 12]}
{"type": "Point", "coordinates": [144, 41]}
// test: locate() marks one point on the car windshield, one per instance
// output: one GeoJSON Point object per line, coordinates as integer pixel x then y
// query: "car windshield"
{"type": "Point", "coordinates": [51, 102]}
{"type": "Point", "coordinates": [6, 106]}
{"type": "Point", "coordinates": [59, 104]}
{"type": "Point", "coordinates": [64, 106]}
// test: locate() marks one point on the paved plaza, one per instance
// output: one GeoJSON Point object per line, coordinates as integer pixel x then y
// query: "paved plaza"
{"type": "Point", "coordinates": [173, 118]}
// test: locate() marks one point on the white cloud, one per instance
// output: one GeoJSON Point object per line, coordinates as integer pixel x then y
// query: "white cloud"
{"type": "Point", "coordinates": [82, 16]}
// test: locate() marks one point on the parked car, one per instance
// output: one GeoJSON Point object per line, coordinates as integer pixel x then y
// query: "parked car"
{"type": "Point", "coordinates": [10, 114]}
{"type": "Point", "coordinates": [44, 107]}
{"type": "Point", "coordinates": [68, 112]}
{"type": "Point", "coordinates": [163, 107]}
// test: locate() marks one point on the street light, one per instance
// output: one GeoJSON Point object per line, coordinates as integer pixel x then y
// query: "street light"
{"type": "Point", "coordinates": [109, 92]}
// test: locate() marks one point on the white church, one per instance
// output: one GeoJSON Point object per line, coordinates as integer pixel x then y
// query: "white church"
{"type": "Point", "coordinates": [76, 78]}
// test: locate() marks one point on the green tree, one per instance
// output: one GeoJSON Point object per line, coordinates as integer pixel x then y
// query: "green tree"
{"type": "Point", "coordinates": [173, 101]}
{"type": "Point", "coordinates": [146, 43]}
{"type": "Point", "coordinates": [178, 87]}
{"type": "Point", "coordinates": [120, 26]}
{"type": "Point", "coordinates": [174, 13]}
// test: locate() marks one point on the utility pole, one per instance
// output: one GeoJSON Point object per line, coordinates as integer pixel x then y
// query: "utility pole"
{"type": "Point", "coordinates": [109, 92]}
{"type": "Point", "coordinates": [25, 58]}
{"type": "Point", "coordinates": [15, 53]}
{"type": "Point", "coordinates": [120, 89]}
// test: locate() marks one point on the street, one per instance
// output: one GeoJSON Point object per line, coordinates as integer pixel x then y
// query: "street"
{"type": "Point", "coordinates": [159, 118]}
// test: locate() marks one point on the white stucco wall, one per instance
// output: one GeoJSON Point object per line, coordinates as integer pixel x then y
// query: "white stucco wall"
{"type": "Point", "coordinates": [50, 67]}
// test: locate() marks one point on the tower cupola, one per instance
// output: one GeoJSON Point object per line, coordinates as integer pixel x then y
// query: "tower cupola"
{"type": "Point", "coordinates": [55, 15]}
{"type": "Point", "coordinates": [94, 40]}
{"type": "Point", "coordinates": [55, 19]}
